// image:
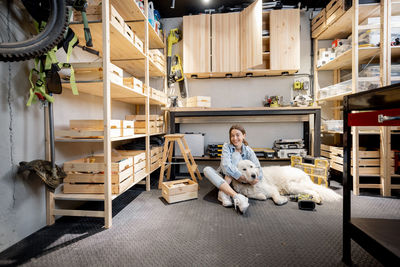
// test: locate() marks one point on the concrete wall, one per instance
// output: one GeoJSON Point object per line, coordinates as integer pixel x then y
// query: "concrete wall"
{"type": "Point", "coordinates": [22, 200]}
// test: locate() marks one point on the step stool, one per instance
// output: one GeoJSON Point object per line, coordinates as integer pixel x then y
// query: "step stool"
{"type": "Point", "coordinates": [187, 155]}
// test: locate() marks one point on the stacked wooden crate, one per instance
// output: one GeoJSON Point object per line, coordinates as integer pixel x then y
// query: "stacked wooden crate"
{"type": "Point", "coordinates": [139, 162]}
{"type": "Point", "coordinates": [156, 123]}
{"type": "Point", "coordinates": [198, 101]}
{"type": "Point", "coordinates": [369, 161]}
{"type": "Point", "coordinates": [86, 175]}
{"type": "Point", "coordinates": [95, 129]}
{"type": "Point", "coordinates": [158, 58]}
{"type": "Point", "coordinates": [327, 16]}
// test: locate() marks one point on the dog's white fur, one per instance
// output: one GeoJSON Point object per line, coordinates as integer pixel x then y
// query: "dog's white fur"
{"type": "Point", "coordinates": [278, 181]}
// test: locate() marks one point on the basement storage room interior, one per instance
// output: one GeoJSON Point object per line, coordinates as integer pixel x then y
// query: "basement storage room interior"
{"type": "Point", "coordinates": [200, 133]}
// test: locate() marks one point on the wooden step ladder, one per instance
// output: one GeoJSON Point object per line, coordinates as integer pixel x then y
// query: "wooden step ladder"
{"type": "Point", "coordinates": [187, 155]}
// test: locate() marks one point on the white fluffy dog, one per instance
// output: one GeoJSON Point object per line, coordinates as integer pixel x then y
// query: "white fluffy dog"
{"type": "Point", "coordinates": [278, 181]}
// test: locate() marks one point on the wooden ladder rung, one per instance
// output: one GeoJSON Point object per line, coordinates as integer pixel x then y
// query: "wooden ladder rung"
{"type": "Point", "coordinates": [193, 167]}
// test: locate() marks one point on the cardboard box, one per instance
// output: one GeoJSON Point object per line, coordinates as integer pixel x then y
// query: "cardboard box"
{"type": "Point", "coordinates": [179, 190]}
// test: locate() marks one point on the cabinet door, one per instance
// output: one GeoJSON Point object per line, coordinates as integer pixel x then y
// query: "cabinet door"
{"type": "Point", "coordinates": [285, 39]}
{"type": "Point", "coordinates": [196, 44]}
{"type": "Point", "coordinates": [251, 36]}
{"type": "Point", "coordinates": [225, 43]}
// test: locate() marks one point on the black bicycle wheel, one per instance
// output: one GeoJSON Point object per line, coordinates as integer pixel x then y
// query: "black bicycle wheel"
{"type": "Point", "coordinates": [47, 39]}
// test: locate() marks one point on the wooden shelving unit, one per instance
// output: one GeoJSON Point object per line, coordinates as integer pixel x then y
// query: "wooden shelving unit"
{"type": "Point", "coordinates": [116, 48]}
{"type": "Point", "coordinates": [349, 24]}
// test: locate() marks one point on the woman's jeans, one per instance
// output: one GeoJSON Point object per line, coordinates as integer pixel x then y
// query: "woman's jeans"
{"type": "Point", "coordinates": [214, 177]}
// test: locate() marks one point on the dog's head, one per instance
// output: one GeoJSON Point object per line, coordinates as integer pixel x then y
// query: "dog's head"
{"type": "Point", "coordinates": [248, 170]}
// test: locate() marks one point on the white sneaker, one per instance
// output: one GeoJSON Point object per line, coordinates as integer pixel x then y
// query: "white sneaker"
{"type": "Point", "coordinates": [242, 202]}
{"type": "Point", "coordinates": [225, 199]}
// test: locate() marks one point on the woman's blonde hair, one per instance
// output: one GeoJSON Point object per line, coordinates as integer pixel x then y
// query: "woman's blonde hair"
{"type": "Point", "coordinates": [240, 128]}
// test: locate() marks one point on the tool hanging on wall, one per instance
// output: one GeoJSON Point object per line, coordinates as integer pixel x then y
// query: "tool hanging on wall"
{"type": "Point", "coordinates": [174, 65]}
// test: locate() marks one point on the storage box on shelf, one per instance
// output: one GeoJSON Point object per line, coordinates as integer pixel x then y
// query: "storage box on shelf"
{"type": "Point", "coordinates": [318, 24]}
{"type": "Point", "coordinates": [95, 129]}
{"type": "Point", "coordinates": [86, 175]}
{"type": "Point", "coordinates": [369, 161]}
{"type": "Point", "coordinates": [134, 83]}
{"type": "Point", "coordinates": [156, 123]}
{"type": "Point", "coordinates": [139, 162]}
{"type": "Point", "coordinates": [199, 101]}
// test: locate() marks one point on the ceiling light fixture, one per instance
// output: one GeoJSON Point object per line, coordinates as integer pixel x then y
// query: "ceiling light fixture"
{"type": "Point", "coordinates": [206, 1]}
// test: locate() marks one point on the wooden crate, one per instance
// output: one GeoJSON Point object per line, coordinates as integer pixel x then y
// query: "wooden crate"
{"type": "Point", "coordinates": [96, 164]}
{"type": "Point", "coordinates": [80, 177]}
{"type": "Point", "coordinates": [368, 162]}
{"type": "Point", "coordinates": [179, 190]}
{"type": "Point", "coordinates": [94, 125]}
{"type": "Point", "coordinates": [93, 71]}
{"type": "Point", "coordinates": [134, 83]}
{"type": "Point", "coordinates": [138, 43]}
{"type": "Point", "coordinates": [93, 11]}
{"type": "Point", "coordinates": [136, 155]}
{"type": "Point", "coordinates": [334, 10]}
{"type": "Point", "coordinates": [129, 34]}
{"type": "Point", "coordinates": [143, 117]}
{"type": "Point", "coordinates": [199, 101]}
{"type": "Point", "coordinates": [86, 176]}
{"type": "Point", "coordinates": [318, 24]}
{"type": "Point", "coordinates": [97, 188]}
{"type": "Point", "coordinates": [116, 20]}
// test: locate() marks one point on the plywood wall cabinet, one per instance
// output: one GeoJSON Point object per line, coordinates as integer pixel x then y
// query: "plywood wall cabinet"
{"type": "Point", "coordinates": [196, 44]}
{"type": "Point", "coordinates": [285, 39]}
{"type": "Point", "coordinates": [251, 36]}
{"type": "Point", "coordinates": [225, 43]}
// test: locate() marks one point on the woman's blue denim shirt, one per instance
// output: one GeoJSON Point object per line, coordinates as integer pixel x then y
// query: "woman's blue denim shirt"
{"type": "Point", "coordinates": [227, 166]}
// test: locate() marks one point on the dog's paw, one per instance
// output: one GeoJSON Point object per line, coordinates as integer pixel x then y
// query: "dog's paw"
{"type": "Point", "coordinates": [260, 196]}
{"type": "Point", "coordinates": [281, 200]}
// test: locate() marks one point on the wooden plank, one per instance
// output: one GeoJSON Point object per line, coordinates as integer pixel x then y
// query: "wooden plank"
{"type": "Point", "coordinates": [225, 42]}
{"type": "Point", "coordinates": [137, 155]}
{"type": "Point", "coordinates": [196, 44]}
{"type": "Point", "coordinates": [118, 92]}
{"type": "Point", "coordinates": [155, 40]}
{"type": "Point", "coordinates": [251, 36]}
{"type": "Point", "coordinates": [285, 39]}
{"type": "Point", "coordinates": [82, 213]}
{"type": "Point", "coordinates": [344, 61]}
{"type": "Point", "coordinates": [243, 119]}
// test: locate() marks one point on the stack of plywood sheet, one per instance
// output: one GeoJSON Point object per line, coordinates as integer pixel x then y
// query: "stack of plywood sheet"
{"type": "Point", "coordinates": [156, 123]}
{"type": "Point", "coordinates": [95, 129]}
{"type": "Point", "coordinates": [86, 175]}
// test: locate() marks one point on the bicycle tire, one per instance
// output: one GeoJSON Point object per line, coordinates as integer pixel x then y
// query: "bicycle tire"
{"type": "Point", "coordinates": [44, 41]}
